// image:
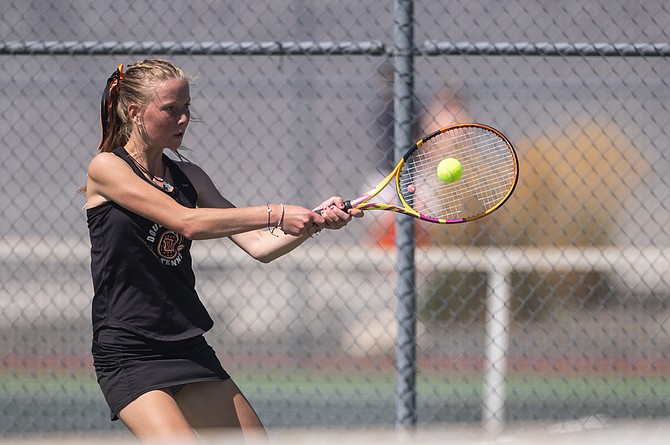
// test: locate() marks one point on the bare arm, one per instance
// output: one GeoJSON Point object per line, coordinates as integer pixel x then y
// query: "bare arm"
{"type": "Point", "coordinates": [261, 244]}
{"type": "Point", "coordinates": [111, 179]}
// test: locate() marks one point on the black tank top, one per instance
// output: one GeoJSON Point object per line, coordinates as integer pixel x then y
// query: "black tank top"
{"type": "Point", "coordinates": [143, 279]}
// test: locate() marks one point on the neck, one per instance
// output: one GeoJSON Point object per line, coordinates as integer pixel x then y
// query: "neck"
{"type": "Point", "coordinates": [158, 179]}
{"type": "Point", "coordinates": [150, 161]}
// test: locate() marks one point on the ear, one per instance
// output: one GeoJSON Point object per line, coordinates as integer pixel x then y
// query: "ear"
{"type": "Point", "coordinates": [133, 112]}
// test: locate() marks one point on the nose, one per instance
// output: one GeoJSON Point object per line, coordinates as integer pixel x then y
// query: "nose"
{"type": "Point", "coordinates": [185, 117]}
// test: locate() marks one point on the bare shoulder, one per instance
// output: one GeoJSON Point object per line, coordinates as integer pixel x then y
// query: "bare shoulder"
{"type": "Point", "coordinates": [103, 169]}
{"type": "Point", "coordinates": [104, 162]}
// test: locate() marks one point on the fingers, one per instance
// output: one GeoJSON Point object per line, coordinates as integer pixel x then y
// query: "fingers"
{"type": "Point", "coordinates": [333, 201]}
{"type": "Point", "coordinates": [336, 217]}
{"type": "Point", "coordinates": [299, 221]}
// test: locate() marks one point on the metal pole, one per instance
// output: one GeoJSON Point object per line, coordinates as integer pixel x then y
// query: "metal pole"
{"type": "Point", "coordinates": [497, 345]}
{"type": "Point", "coordinates": [406, 412]}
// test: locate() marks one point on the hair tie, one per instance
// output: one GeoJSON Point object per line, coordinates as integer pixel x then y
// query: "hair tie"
{"type": "Point", "coordinates": [116, 77]}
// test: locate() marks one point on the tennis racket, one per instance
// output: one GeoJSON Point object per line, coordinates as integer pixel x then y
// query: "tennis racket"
{"type": "Point", "coordinates": [490, 171]}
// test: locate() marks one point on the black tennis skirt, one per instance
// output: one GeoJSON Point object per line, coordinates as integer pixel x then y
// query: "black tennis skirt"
{"type": "Point", "coordinates": [128, 365]}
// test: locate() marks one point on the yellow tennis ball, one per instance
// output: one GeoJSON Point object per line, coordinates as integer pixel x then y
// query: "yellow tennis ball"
{"type": "Point", "coordinates": [449, 170]}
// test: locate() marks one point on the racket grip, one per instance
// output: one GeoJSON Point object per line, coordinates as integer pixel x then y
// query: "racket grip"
{"type": "Point", "coordinates": [347, 206]}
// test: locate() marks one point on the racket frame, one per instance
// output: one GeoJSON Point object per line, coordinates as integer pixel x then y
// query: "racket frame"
{"type": "Point", "coordinates": [362, 202]}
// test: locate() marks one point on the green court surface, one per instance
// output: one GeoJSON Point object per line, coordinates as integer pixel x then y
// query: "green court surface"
{"type": "Point", "coordinates": [350, 384]}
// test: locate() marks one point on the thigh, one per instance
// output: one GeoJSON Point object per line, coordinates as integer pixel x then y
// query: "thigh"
{"type": "Point", "coordinates": [219, 405]}
{"type": "Point", "coordinates": [155, 416]}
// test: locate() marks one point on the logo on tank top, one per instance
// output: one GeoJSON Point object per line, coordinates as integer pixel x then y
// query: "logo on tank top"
{"type": "Point", "coordinates": [166, 244]}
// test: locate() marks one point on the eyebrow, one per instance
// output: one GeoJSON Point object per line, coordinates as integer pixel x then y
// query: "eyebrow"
{"type": "Point", "coordinates": [171, 103]}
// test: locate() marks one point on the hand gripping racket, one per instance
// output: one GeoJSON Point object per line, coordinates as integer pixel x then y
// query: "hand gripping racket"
{"type": "Point", "coordinates": [490, 171]}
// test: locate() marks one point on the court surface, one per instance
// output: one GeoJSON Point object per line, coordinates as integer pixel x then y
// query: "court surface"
{"type": "Point", "coordinates": [591, 431]}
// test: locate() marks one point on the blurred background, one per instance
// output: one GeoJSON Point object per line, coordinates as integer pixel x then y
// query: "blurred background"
{"type": "Point", "coordinates": [577, 259]}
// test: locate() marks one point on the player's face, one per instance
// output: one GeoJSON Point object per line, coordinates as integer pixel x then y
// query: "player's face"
{"type": "Point", "coordinates": [165, 119]}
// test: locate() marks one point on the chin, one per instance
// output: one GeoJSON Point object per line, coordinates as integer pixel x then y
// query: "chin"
{"type": "Point", "coordinates": [175, 145]}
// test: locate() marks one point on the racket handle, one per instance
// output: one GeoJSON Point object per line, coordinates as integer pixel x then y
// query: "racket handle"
{"type": "Point", "coordinates": [347, 206]}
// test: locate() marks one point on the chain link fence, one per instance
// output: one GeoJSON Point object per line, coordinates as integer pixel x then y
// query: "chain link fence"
{"type": "Point", "coordinates": [553, 309]}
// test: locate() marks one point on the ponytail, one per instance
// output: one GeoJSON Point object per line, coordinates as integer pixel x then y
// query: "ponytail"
{"type": "Point", "coordinates": [110, 122]}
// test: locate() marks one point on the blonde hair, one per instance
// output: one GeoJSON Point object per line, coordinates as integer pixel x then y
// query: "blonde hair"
{"type": "Point", "coordinates": [135, 86]}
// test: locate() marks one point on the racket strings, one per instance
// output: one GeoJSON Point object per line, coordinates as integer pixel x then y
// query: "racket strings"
{"type": "Point", "coordinates": [489, 174]}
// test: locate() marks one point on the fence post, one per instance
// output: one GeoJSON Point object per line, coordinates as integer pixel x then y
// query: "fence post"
{"type": "Point", "coordinates": [496, 345]}
{"type": "Point", "coordinates": [406, 412]}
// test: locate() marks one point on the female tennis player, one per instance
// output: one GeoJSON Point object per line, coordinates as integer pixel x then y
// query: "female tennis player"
{"type": "Point", "coordinates": [157, 373]}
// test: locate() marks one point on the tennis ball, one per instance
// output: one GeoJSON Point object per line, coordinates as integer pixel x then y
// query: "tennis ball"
{"type": "Point", "coordinates": [449, 170]}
